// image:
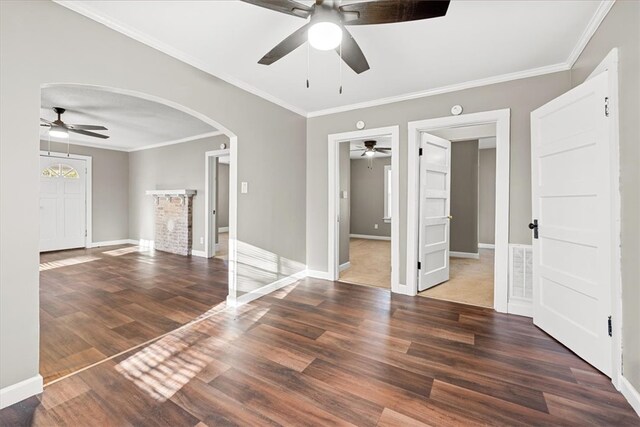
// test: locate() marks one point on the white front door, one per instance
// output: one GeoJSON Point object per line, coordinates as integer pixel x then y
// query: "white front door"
{"type": "Point", "coordinates": [62, 203]}
{"type": "Point", "coordinates": [435, 195]}
{"type": "Point", "coordinates": [572, 199]}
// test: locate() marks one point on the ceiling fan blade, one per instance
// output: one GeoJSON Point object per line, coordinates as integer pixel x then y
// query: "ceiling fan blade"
{"type": "Point", "coordinates": [351, 53]}
{"type": "Point", "coordinates": [387, 12]}
{"type": "Point", "coordinates": [284, 6]}
{"type": "Point", "coordinates": [86, 127]}
{"type": "Point", "coordinates": [383, 150]}
{"type": "Point", "coordinates": [364, 154]}
{"type": "Point", "coordinates": [46, 121]}
{"type": "Point", "coordinates": [286, 46]}
{"type": "Point", "coordinates": [87, 133]}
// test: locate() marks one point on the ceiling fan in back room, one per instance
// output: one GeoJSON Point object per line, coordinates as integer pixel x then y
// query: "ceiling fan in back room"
{"type": "Point", "coordinates": [60, 129]}
{"type": "Point", "coordinates": [325, 28]}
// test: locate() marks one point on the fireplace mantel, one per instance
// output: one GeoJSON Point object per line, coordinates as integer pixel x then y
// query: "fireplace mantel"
{"type": "Point", "coordinates": [169, 193]}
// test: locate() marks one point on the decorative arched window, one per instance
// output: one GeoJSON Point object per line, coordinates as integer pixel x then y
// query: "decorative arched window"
{"type": "Point", "coordinates": [60, 171]}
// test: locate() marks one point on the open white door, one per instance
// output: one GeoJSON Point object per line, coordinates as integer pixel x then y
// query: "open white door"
{"type": "Point", "coordinates": [62, 203]}
{"type": "Point", "coordinates": [435, 196]}
{"type": "Point", "coordinates": [571, 189]}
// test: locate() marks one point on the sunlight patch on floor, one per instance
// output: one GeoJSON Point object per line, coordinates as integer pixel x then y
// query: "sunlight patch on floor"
{"type": "Point", "coordinates": [67, 262]}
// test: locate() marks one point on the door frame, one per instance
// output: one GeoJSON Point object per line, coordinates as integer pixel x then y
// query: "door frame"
{"type": "Point", "coordinates": [501, 118]}
{"type": "Point", "coordinates": [333, 262]}
{"type": "Point", "coordinates": [210, 199]}
{"type": "Point", "coordinates": [610, 64]}
{"type": "Point", "coordinates": [88, 188]}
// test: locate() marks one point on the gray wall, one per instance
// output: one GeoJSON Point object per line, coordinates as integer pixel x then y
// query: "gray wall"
{"type": "Point", "coordinates": [110, 189]}
{"type": "Point", "coordinates": [487, 196]}
{"type": "Point", "coordinates": [464, 197]}
{"type": "Point", "coordinates": [222, 194]}
{"type": "Point", "coordinates": [271, 149]}
{"type": "Point", "coordinates": [170, 167]}
{"type": "Point", "coordinates": [344, 152]}
{"type": "Point", "coordinates": [621, 29]}
{"type": "Point", "coordinates": [367, 201]}
{"type": "Point", "coordinates": [522, 96]}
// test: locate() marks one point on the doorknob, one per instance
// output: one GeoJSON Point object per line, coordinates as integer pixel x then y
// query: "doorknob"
{"type": "Point", "coordinates": [450, 217]}
{"type": "Point", "coordinates": [534, 226]}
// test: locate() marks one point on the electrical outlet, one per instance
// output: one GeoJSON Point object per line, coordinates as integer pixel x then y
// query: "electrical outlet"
{"type": "Point", "coordinates": [375, 226]}
{"type": "Point", "coordinates": [202, 240]}
{"type": "Point", "coordinates": [244, 187]}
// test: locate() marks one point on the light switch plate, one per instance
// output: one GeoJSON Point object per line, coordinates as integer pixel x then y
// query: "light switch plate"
{"type": "Point", "coordinates": [244, 187]}
{"type": "Point", "coordinates": [344, 194]}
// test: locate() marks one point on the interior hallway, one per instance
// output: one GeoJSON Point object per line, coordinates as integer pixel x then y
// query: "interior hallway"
{"type": "Point", "coordinates": [328, 353]}
{"type": "Point", "coordinates": [95, 303]}
{"type": "Point", "coordinates": [470, 281]}
{"type": "Point", "coordinates": [370, 263]}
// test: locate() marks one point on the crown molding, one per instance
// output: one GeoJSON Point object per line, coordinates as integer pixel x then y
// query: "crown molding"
{"type": "Point", "coordinates": [177, 141]}
{"type": "Point", "coordinates": [603, 9]}
{"type": "Point", "coordinates": [444, 89]}
{"type": "Point", "coordinates": [175, 53]}
{"type": "Point", "coordinates": [130, 150]}
{"type": "Point", "coordinates": [601, 12]}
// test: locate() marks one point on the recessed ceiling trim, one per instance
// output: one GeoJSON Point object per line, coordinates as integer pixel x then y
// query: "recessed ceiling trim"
{"type": "Point", "coordinates": [601, 12]}
{"type": "Point", "coordinates": [175, 53]}
{"type": "Point", "coordinates": [83, 143]}
{"type": "Point", "coordinates": [177, 141]}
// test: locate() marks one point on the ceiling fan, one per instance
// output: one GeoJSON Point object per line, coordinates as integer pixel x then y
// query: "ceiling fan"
{"type": "Point", "coordinates": [370, 149]}
{"type": "Point", "coordinates": [60, 129]}
{"type": "Point", "coordinates": [326, 29]}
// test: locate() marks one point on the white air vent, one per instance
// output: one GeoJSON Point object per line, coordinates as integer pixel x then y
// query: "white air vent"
{"type": "Point", "coordinates": [520, 279]}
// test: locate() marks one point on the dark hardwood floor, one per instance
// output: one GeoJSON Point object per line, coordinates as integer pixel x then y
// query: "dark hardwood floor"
{"type": "Point", "coordinates": [325, 353]}
{"type": "Point", "coordinates": [95, 303]}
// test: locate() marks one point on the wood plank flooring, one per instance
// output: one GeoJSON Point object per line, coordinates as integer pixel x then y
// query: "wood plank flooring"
{"type": "Point", "coordinates": [328, 353]}
{"type": "Point", "coordinates": [95, 303]}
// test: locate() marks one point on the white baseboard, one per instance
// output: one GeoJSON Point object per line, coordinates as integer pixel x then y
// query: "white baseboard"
{"type": "Point", "coordinates": [344, 266]}
{"type": "Point", "coordinates": [630, 393]}
{"type": "Point", "coordinates": [267, 289]}
{"type": "Point", "coordinates": [464, 255]}
{"type": "Point", "coordinates": [218, 247]}
{"type": "Point", "coordinates": [198, 253]}
{"type": "Point", "coordinates": [316, 274]}
{"type": "Point", "coordinates": [366, 236]}
{"type": "Point", "coordinates": [111, 243]}
{"type": "Point", "coordinates": [20, 391]}
{"type": "Point", "coordinates": [520, 308]}
{"type": "Point", "coordinates": [223, 229]}
{"type": "Point", "coordinates": [143, 243]}
{"type": "Point", "coordinates": [486, 246]}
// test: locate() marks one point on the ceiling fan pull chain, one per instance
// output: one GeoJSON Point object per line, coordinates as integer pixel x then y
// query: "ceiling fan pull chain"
{"type": "Point", "coordinates": [340, 69]}
{"type": "Point", "coordinates": [49, 148]}
{"type": "Point", "coordinates": [307, 65]}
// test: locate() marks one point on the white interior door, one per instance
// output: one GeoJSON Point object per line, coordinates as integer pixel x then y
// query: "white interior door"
{"type": "Point", "coordinates": [62, 203]}
{"type": "Point", "coordinates": [572, 256]}
{"type": "Point", "coordinates": [435, 196]}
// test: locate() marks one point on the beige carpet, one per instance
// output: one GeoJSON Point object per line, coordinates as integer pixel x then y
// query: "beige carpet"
{"type": "Point", "coordinates": [370, 263]}
{"type": "Point", "coordinates": [470, 281]}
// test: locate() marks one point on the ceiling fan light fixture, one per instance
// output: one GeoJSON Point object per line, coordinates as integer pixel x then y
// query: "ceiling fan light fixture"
{"type": "Point", "coordinates": [325, 35]}
{"type": "Point", "coordinates": [59, 132]}
{"type": "Point", "coordinates": [370, 153]}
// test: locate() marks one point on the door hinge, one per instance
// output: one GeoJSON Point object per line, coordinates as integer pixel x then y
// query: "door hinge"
{"type": "Point", "coordinates": [610, 327]}
{"type": "Point", "coordinates": [419, 265]}
{"type": "Point", "coordinates": [606, 106]}
{"type": "Point", "coordinates": [419, 151]}
{"type": "Point", "coordinates": [85, 233]}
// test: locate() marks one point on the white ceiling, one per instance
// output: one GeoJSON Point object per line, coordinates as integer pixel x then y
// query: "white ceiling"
{"type": "Point", "coordinates": [381, 141]}
{"type": "Point", "coordinates": [133, 123]}
{"type": "Point", "coordinates": [485, 41]}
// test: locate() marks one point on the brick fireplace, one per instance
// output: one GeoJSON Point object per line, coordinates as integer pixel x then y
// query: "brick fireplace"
{"type": "Point", "coordinates": [173, 220]}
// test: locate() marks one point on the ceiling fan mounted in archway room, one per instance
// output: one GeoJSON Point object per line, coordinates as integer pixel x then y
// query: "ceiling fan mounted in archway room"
{"type": "Point", "coordinates": [326, 29]}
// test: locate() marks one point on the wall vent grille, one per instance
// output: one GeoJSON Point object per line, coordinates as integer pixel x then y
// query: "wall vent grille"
{"type": "Point", "coordinates": [521, 273]}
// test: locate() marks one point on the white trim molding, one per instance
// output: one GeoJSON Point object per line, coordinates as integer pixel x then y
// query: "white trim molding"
{"type": "Point", "coordinates": [369, 237]}
{"type": "Point", "coordinates": [630, 393]}
{"type": "Point", "coordinates": [18, 392]}
{"type": "Point", "coordinates": [113, 243]}
{"type": "Point", "coordinates": [176, 141]}
{"type": "Point", "coordinates": [345, 266]}
{"type": "Point", "coordinates": [469, 255]}
{"type": "Point", "coordinates": [501, 264]}
{"type": "Point", "coordinates": [200, 254]}
{"type": "Point", "coordinates": [601, 12]}
{"type": "Point", "coordinates": [267, 289]}
{"type": "Point", "coordinates": [317, 274]}
{"type": "Point", "coordinates": [486, 246]}
{"type": "Point", "coordinates": [333, 194]}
